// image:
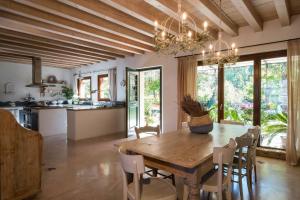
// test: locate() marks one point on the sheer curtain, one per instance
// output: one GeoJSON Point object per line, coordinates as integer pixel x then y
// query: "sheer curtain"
{"type": "Point", "coordinates": [293, 143]}
{"type": "Point", "coordinates": [112, 78]}
{"type": "Point", "coordinates": [187, 67]}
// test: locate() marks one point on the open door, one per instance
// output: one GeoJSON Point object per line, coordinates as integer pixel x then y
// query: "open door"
{"type": "Point", "coordinates": [132, 99]}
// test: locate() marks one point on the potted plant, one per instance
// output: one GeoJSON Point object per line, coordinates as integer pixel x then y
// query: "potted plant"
{"type": "Point", "coordinates": [68, 93]}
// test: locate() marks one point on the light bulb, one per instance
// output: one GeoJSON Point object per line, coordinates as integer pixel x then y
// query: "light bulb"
{"type": "Point", "coordinates": [205, 24]}
{"type": "Point", "coordinates": [190, 34]}
{"type": "Point", "coordinates": [163, 34]}
{"type": "Point", "coordinates": [236, 51]}
{"type": "Point", "coordinates": [210, 47]}
{"type": "Point", "coordinates": [155, 25]}
{"type": "Point", "coordinates": [184, 16]}
{"type": "Point", "coordinates": [218, 53]}
{"type": "Point", "coordinates": [233, 45]}
{"type": "Point", "coordinates": [203, 52]}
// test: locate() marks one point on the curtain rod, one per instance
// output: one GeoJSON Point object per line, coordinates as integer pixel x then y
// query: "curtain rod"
{"type": "Point", "coordinates": [242, 47]}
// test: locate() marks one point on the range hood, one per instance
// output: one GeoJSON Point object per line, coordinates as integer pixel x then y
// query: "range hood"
{"type": "Point", "coordinates": [36, 73]}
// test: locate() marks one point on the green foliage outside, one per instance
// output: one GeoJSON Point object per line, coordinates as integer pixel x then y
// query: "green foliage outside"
{"type": "Point", "coordinates": [238, 95]}
{"type": "Point", "coordinates": [151, 96]}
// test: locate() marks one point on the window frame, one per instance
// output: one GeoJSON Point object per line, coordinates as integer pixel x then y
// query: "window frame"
{"type": "Point", "coordinates": [100, 76]}
{"type": "Point", "coordinates": [78, 86]}
{"type": "Point", "coordinates": [257, 58]}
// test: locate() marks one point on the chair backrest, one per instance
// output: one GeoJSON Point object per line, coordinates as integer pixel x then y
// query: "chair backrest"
{"type": "Point", "coordinates": [132, 164]}
{"type": "Point", "coordinates": [221, 156]}
{"type": "Point", "coordinates": [20, 158]}
{"type": "Point", "coordinates": [255, 134]}
{"type": "Point", "coordinates": [225, 121]}
{"type": "Point", "coordinates": [147, 129]}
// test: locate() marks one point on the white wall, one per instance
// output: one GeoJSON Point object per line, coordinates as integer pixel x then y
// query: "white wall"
{"type": "Point", "coordinates": [21, 75]}
{"type": "Point", "coordinates": [272, 32]}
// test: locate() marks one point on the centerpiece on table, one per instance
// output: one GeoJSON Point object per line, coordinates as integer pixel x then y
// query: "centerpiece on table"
{"type": "Point", "coordinates": [200, 121]}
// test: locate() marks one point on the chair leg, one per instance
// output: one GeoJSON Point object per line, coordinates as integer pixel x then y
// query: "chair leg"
{"type": "Point", "coordinates": [173, 179]}
{"type": "Point", "coordinates": [154, 171]}
{"type": "Point", "coordinates": [241, 183]}
{"type": "Point", "coordinates": [255, 172]}
{"type": "Point", "coordinates": [228, 192]}
{"type": "Point", "coordinates": [249, 181]}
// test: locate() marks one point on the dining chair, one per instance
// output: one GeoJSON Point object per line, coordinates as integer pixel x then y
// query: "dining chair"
{"type": "Point", "coordinates": [225, 121]}
{"type": "Point", "coordinates": [255, 134]}
{"type": "Point", "coordinates": [140, 188]}
{"type": "Point", "coordinates": [218, 181]}
{"type": "Point", "coordinates": [153, 131]}
{"type": "Point", "coordinates": [242, 161]}
{"type": "Point", "coordinates": [149, 130]}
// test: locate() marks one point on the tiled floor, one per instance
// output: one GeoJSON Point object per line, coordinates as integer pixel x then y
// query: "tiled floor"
{"type": "Point", "coordinates": [90, 170]}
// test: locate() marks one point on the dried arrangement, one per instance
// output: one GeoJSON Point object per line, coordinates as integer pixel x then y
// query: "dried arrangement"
{"type": "Point", "coordinates": [200, 121]}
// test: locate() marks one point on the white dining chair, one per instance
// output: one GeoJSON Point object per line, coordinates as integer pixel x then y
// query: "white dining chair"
{"type": "Point", "coordinates": [225, 121]}
{"type": "Point", "coordinates": [143, 189]}
{"type": "Point", "coordinates": [150, 130]}
{"type": "Point", "coordinates": [218, 181]}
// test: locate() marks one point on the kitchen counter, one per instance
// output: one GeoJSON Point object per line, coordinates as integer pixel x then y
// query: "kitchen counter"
{"type": "Point", "coordinates": [90, 122]}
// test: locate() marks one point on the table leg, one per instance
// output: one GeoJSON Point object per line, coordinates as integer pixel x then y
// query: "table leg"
{"type": "Point", "coordinates": [194, 187]}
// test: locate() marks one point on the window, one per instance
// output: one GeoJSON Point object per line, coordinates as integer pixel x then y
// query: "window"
{"type": "Point", "coordinates": [84, 88]}
{"type": "Point", "coordinates": [252, 91]}
{"type": "Point", "coordinates": [103, 88]}
{"type": "Point", "coordinates": [274, 102]}
{"type": "Point", "coordinates": [207, 88]}
{"type": "Point", "coordinates": [238, 92]}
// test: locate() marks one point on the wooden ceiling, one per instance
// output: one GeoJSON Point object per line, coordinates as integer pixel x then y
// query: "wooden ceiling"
{"type": "Point", "coordinates": [72, 33]}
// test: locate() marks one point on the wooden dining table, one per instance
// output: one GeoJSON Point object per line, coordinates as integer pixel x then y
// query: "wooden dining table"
{"type": "Point", "coordinates": [184, 154]}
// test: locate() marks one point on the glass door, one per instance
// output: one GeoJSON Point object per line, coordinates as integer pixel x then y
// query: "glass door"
{"type": "Point", "coordinates": [238, 92]}
{"type": "Point", "coordinates": [274, 119]}
{"type": "Point", "coordinates": [132, 99]}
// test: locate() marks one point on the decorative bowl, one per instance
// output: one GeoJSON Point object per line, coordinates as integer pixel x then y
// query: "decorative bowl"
{"type": "Point", "coordinates": [201, 125]}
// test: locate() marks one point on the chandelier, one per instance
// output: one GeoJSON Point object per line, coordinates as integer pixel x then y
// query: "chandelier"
{"type": "Point", "coordinates": [219, 51]}
{"type": "Point", "coordinates": [188, 37]}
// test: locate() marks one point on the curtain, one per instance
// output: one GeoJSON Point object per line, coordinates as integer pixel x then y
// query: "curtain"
{"type": "Point", "coordinates": [112, 78]}
{"type": "Point", "coordinates": [293, 71]}
{"type": "Point", "coordinates": [187, 67]}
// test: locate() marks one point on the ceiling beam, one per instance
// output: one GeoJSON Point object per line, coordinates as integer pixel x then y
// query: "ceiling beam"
{"type": "Point", "coordinates": [109, 13]}
{"type": "Point", "coordinates": [249, 13]}
{"type": "Point", "coordinates": [50, 60]}
{"type": "Point", "coordinates": [54, 52]}
{"type": "Point", "coordinates": [82, 17]}
{"type": "Point", "coordinates": [72, 47]}
{"type": "Point", "coordinates": [142, 11]}
{"type": "Point", "coordinates": [16, 26]}
{"type": "Point", "coordinates": [170, 8]}
{"type": "Point", "coordinates": [212, 12]}
{"type": "Point", "coordinates": [34, 24]}
{"type": "Point", "coordinates": [37, 53]}
{"type": "Point", "coordinates": [51, 47]}
{"type": "Point", "coordinates": [283, 11]}
{"type": "Point", "coordinates": [29, 62]}
{"type": "Point", "coordinates": [44, 60]}
{"type": "Point", "coordinates": [47, 21]}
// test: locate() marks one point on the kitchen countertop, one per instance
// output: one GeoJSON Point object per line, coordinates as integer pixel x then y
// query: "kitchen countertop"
{"type": "Point", "coordinates": [81, 108]}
